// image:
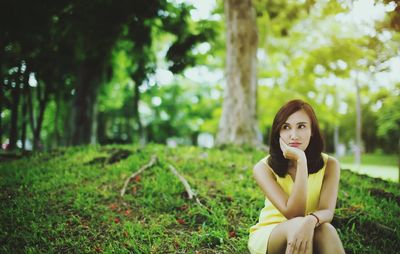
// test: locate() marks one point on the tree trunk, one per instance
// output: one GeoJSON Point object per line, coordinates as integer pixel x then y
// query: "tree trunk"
{"type": "Point", "coordinates": [336, 141]}
{"type": "Point", "coordinates": [24, 114]}
{"type": "Point", "coordinates": [56, 117]}
{"type": "Point", "coordinates": [36, 123]}
{"type": "Point", "coordinates": [136, 99]}
{"type": "Point", "coordinates": [358, 145]}
{"type": "Point", "coordinates": [15, 94]}
{"type": "Point", "coordinates": [101, 128]}
{"type": "Point", "coordinates": [69, 123]}
{"type": "Point", "coordinates": [1, 108]}
{"type": "Point", "coordinates": [2, 91]}
{"type": "Point", "coordinates": [84, 102]}
{"type": "Point", "coordinates": [238, 123]}
{"type": "Point", "coordinates": [36, 135]}
{"type": "Point", "coordinates": [31, 110]}
{"type": "Point", "coordinates": [93, 136]}
{"type": "Point", "coordinates": [336, 126]}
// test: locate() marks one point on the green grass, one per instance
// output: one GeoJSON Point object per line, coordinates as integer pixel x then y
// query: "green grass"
{"type": "Point", "coordinates": [67, 201]}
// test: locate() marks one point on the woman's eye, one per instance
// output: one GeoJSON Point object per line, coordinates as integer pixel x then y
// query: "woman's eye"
{"type": "Point", "coordinates": [302, 126]}
{"type": "Point", "coordinates": [285, 127]}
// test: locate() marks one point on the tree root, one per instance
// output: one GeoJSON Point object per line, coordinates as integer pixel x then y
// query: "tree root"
{"type": "Point", "coordinates": [185, 183]}
{"type": "Point", "coordinates": [153, 161]}
{"type": "Point", "coordinates": [191, 194]}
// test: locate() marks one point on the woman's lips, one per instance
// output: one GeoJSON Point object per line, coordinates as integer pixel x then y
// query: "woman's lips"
{"type": "Point", "coordinates": [294, 144]}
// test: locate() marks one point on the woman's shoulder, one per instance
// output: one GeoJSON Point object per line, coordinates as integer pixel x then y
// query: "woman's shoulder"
{"type": "Point", "coordinates": [263, 165]}
{"type": "Point", "coordinates": [265, 160]}
{"type": "Point", "coordinates": [330, 159]}
{"type": "Point", "coordinates": [332, 164]}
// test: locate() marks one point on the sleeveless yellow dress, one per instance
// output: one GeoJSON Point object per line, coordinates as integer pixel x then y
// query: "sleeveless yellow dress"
{"type": "Point", "coordinates": [270, 216]}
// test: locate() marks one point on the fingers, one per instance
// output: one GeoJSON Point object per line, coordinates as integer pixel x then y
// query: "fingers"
{"type": "Point", "coordinates": [283, 146]}
{"type": "Point", "coordinates": [303, 246]}
{"type": "Point", "coordinates": [282, 143]}
{"type": "Point", "coordinates": [290, 153]}
{"type": "Point", "coordinates": [309, 248]}
{"type": "Point", "coordinates": [297, 247]}
{"type": "Point", "coordinates": [290, 248]}
{"type": "Point", "coordinates": [287, 153]}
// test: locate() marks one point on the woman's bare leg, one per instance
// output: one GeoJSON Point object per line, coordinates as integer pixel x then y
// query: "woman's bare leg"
{"type": "Point", "coordinates": [326, 240]}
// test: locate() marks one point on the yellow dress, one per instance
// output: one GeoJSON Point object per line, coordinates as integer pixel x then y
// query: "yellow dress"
{"type": "Point", "coordinates": [270, 216]}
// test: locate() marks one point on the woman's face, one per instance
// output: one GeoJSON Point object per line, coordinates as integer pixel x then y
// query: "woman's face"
{"type": "Point", "coordinates": [296, 131]}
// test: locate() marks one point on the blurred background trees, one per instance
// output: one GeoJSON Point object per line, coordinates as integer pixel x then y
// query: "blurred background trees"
{"type": "Point", "coordinates": [99, 72]}
{"type": "Point", "coordinates": [59, 57]}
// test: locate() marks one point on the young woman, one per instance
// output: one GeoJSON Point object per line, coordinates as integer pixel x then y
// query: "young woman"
{"type": "Point", "coordinates": [301, 186]}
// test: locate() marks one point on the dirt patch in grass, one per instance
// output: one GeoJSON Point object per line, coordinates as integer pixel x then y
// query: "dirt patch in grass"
{"type": "Point", "coordinates": [11, 156]}
{"type": "Point", "coordinates": [98, 160]}
{"type": "Point", "coordinates": [379, 193]}
{"type": "Point", "coordinates": [373, 233]}
{"type": "Point", "coordinates": [116, 155]}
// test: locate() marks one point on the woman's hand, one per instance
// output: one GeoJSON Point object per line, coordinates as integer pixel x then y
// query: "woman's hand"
{"type": "Point", "coordinates": [291, 153]}
{"type": "Point", "coordinates": [300, 240]}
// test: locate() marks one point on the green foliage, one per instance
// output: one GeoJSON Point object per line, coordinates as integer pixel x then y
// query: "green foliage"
{"type": "Point", "coordinates": [68, 200]}
{"type": "Point", "coordinates": [115, 93]}
{"type": "Point", "coordinates": [114, 46]}
{"type": "Point", "coordinates": [182, 112]}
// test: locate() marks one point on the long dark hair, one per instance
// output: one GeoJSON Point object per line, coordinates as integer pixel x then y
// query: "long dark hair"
{"type": "Point", "coordinates": [313, 152]}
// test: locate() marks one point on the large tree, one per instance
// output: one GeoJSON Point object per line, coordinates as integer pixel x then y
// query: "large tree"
{"type": "Point", "coordinates": [67, 45]}
{"type": "Point", "coordinates": [238, 123]}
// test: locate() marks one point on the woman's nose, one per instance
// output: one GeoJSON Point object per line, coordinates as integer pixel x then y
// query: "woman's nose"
{"type": "Point", "coordinates": [293, 134]}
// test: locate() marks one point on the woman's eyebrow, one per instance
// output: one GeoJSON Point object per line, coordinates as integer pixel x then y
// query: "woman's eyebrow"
{"type": "Point", "coordinates": [302, 123]}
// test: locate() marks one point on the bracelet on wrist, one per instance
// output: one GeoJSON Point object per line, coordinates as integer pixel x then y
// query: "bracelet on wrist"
{"type": "Point", "coordinates": [312, 214]}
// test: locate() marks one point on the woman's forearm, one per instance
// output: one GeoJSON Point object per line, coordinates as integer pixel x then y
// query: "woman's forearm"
{"type": "Point", "coordinates": [296, 204]}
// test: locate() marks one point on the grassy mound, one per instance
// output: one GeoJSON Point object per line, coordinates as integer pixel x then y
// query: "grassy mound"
{"type": "Point", "coordinates": [68, 201]}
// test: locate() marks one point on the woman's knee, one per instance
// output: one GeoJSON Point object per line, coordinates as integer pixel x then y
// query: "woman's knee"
{"type": "Point", "coordinates": [326, 239]}
{"type": "Point", "coordinates": [324, 231]}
